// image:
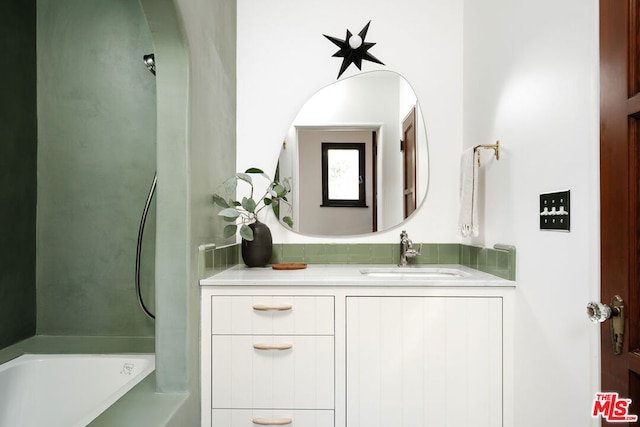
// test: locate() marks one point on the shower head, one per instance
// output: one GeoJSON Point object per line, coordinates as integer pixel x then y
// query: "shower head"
{"type": "Point", "coordinates": [150, 62]}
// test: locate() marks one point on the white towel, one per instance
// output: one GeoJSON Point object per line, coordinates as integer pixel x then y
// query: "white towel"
{"type": "Point", "coordinates": [468, 219]}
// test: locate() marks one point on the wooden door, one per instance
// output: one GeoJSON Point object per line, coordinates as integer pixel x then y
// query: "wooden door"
{"type": "Point", "coordinates": [374, 183]}
{"type": "Point", "coordinates": [619, 177]}
{"type": "Point", "coordinates": [409, 156]}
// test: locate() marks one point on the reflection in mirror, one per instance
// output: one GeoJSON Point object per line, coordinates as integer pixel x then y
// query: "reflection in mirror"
{"type": "Point", "coordinates": [379, 112]}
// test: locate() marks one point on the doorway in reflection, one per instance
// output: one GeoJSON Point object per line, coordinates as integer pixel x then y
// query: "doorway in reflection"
{"type": "Point", "coordinates": [396, 174]}
{"type": "Point", "coordinates": [336, 198]}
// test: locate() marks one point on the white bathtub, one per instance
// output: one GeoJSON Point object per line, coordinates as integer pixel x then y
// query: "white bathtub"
{"type": "Point", "coordinates": [66, 390]}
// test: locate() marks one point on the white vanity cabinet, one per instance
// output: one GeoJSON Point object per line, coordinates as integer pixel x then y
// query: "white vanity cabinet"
{"type": "Point", "coordinates": [316, 353]}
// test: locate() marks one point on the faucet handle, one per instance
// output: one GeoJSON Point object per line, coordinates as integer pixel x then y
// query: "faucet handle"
{"type": "Point", "coordinates": [412, 252]}
{"type": "Point", "coordinates": [415, 252]}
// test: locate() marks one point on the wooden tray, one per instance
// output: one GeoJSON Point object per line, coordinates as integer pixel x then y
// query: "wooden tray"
{"type": "Point", "coordinates": [290, 266]}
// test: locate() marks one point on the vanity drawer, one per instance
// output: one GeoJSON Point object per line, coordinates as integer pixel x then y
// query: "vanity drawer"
{"type": "Point", "coordinates": [279, 372]}
{"type": "Point", "coordinates": [268, 315]}
{"type": "Point", "coordinates": [257, 417]}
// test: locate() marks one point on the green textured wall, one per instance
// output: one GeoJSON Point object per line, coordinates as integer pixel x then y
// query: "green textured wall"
{"type": "Point", "coordinates": [212, 149]}
{"type": "Point", "coordinates": [96, 160]}
{"type": "Point", "coordinates": [18, 147]}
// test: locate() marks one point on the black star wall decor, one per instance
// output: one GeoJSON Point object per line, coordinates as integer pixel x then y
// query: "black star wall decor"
{"type": "Point", "coordinates": [354, 49]}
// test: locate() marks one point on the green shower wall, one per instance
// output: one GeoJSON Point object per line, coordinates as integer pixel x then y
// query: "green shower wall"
{"type": "Point", "coordinates": [96, 161]}
{"type": "Point", "coordinates": [18, 147]}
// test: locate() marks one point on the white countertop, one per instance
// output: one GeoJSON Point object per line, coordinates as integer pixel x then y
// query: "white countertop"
{"type": "Point", "coordinates": [350, 275]}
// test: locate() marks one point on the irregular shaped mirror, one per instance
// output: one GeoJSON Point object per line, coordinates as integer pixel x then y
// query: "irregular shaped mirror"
{"type": "Point", "coordinates": [357, 156]}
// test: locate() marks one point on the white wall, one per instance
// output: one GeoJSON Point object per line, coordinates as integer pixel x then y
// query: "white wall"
{"type": "Point", "coordinates": [531, 81]}
{"type": "Point", "coordinates": [283, 59]}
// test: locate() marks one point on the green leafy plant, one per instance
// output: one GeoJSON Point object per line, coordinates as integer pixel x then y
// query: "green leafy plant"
{"type": "Point", "coordinates": [245, 211]}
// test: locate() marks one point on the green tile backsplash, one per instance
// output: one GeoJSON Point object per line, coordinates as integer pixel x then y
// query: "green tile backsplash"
{"type": "Point", "coordinates": [499, 261]}
{"type": "Point", "coordinates": [226, 257]}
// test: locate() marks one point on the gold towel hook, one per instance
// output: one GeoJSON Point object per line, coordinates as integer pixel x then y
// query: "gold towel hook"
{"type": "Point", "coordinates": [495, 147]}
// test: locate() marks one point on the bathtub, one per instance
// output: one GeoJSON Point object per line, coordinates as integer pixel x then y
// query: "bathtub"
{"type": "Point", "coordinates": [66, 390]}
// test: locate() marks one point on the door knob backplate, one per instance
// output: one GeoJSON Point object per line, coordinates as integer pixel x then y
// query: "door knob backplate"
{"type": "Point", "coordinates": [598, 313]}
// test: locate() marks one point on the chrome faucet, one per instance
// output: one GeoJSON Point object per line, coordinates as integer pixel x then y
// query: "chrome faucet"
{"type": "Point", "coordinates": [406, 249]}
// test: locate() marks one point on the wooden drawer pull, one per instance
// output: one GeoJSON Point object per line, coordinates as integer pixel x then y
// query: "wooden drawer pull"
{"type": "Point", "coordinates": [265, 422]}
{"type": "Point", "coordinates": [275, 307]}
{"type": "Point", "coordinates": [263, 346]}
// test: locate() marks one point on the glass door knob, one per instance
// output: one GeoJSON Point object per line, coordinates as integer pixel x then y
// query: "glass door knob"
{"type": "Point", "coordinates": [598, 312]}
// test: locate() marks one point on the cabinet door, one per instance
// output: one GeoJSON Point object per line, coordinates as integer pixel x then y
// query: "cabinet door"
{"type": "Point", "coordinates": [281, 372]}
{"type": "Point", "coordinates": [424, 361]}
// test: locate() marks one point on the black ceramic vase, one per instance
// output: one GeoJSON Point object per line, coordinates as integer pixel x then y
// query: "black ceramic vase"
{"type": "Point", "coordinates": [257, 252]}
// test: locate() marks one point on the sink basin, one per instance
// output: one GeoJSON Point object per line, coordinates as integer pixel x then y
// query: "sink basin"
{"type": "Point", "coordinates": [415, 272]}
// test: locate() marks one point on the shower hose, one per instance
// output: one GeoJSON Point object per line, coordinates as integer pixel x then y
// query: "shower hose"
{"type": "Point", "coordinates": [143, 220]}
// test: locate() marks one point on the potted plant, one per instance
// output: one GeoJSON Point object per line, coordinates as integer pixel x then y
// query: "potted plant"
{"type": "Point", "coordinates": [243, 214]}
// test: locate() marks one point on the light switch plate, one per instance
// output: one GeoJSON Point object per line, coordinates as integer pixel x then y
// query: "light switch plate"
{"type": "Point", "coordinates": [555, 211]}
